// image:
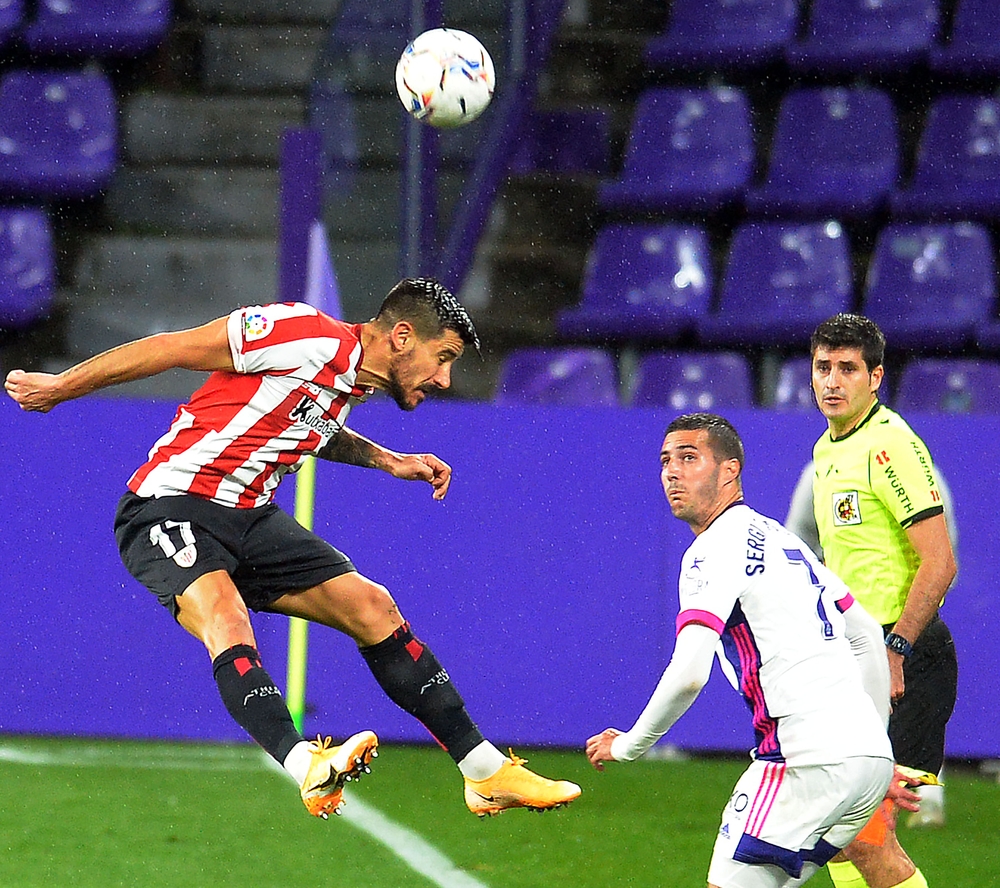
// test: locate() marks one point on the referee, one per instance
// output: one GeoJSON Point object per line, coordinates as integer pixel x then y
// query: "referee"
{"type": "Point", "coordinates": [880, 517]}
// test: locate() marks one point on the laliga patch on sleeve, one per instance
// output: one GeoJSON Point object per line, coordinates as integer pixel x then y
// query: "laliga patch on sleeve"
{"type": "Point", "coordinates": [846, 509]}
{"type": "Point", "coordinates": [256, 325]}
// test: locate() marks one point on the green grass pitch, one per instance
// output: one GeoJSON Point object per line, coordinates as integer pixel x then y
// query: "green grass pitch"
{"type": "Point", "coordinates": [156, 815]}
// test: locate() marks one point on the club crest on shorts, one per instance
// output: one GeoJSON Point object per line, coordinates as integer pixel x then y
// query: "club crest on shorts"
{"type": "Point", "coordinates": [187, 556]}
{"type": "Point", "coordinates": [168, 534]}
{"type": "Point", "coordinates": [846, 508]}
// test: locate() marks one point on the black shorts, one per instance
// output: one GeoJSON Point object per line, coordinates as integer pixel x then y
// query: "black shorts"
{"type": "Point", "coordinates": [167, 543]}
{"type": "Point", "coordinates": [918, 720]}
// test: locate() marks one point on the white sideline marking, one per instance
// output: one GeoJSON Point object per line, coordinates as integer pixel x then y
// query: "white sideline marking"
{"type": "Point", "coordinates": [414, 851]}
{"type": "Point", "coordinates": [419, 855]}
{"type": "Point", "coordinates": [104, 756]}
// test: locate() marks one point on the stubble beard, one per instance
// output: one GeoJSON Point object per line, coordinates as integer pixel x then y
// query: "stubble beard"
{"type": "Point", "coordinates": [396, 391]}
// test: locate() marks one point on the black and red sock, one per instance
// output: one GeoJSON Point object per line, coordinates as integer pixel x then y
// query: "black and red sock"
{"type": "Point", "coordinates": [415, 681]}
{"type": "Point", "coordinates": [254, 701]}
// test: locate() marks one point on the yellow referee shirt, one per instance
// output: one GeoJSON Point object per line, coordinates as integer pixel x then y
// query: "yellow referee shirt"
{"type": "Point", "coordinates": [869, 487]}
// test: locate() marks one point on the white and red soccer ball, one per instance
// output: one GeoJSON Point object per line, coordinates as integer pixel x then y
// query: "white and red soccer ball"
{"type": "Point", "coordinates": [445, 78]}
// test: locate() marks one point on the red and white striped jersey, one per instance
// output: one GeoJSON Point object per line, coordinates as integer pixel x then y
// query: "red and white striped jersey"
{"type": "Point", "coordinates": [292, 389]}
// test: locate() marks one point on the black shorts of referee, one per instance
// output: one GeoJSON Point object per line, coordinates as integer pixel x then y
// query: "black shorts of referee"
{"type": "Point", "coordinates": [919, 717]}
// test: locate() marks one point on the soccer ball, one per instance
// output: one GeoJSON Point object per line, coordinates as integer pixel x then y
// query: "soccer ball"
{"type": "Point", "coordinates": [445, 78]}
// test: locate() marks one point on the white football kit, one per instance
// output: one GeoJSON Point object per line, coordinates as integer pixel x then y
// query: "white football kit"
{"type": "Point", "coordinates": [783, 627]}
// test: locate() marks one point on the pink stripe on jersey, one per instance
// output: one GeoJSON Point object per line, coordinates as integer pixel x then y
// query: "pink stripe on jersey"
{"type": "Point", "coordinates": [844, 603]}
{"type": "Point", "coordinates": [767, 792]}
{"type": "Point", "coordinates": [702, 618]}
{"type": "Point", "coordinates": [751, 687]}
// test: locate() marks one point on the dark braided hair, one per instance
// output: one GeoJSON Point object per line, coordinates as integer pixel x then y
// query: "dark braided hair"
{"type": "Point", "coordinates": [430, 307]}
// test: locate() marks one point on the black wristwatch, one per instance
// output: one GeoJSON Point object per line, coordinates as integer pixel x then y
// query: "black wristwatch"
{"type": "Point", "coordinates": [898, 644]}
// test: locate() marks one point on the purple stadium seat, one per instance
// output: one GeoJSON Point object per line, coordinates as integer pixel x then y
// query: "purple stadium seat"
{"type": "Point", "coordinates": [929, 286]}
{"type": "Point", "coordinates": [58, 133]}
{"type": "Point", "coordinates": [974, 46]}
{"type": "Point", "coordinates": [565, 141]}
{"type": "Point", "coordinates": [957, 170]}
{"type": "Point", "coordinates": [691, 381]}
{"type": "Point", "coordinates": [988, 334]}
{"type": "Point", "coordinates": [571, 377]}
{"type": "Point", "coordinates": [97, 27]}
{"type": "Point", "coordinates": [11, 15]}
{"type": "Point", "coordinates": [689, 149]}
{"type": "Point", "coordinates": [793, 389]}
{"type": "Point", "coordinates": [648, 280]}
{"type": "Point", "coordinates": [724, 33]}
{"type": "Point", "coordinates": [27, 266]}
{"type": "Point", "coordinates": [782, 279]}
{"type": "Point", "coordinates": [835, 153]}
{"type": "Point", "coordinates": [950, 385]}
{"type": "Point", "coordinates": [862, 35]}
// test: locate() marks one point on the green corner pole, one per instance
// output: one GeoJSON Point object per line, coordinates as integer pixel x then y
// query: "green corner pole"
{"type": "Point", "coordinates": [298, 629]}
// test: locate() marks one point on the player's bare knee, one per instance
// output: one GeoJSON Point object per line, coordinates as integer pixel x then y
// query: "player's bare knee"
{"type": "Point", "coordinates": [372, 612]}
{"type": "Point", "coordinates": [375, 605]}
{"type": "Point", "coordinates": [218, 620]}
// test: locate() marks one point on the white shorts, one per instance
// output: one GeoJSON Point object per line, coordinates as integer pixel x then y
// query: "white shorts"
{"type": "Point", "coordinates": [783, 823]}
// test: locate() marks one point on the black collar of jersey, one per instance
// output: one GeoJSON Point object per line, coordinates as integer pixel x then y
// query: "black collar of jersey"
{"type": "Point", "coordinates": [875, 408]}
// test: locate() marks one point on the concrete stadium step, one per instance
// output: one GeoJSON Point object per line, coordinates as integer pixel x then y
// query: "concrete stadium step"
{"type": "Point", "coordinates": [168, 128]}
{"type": "Point", "coordinates": [233, 201]}
{"type": "Point", "coordinates": [371, 209]}
{"type": "Point", "coordinates": [230, 130]}
{"type": "Point", "coordinates": [213, 201]}
{"type": "Point", "coordinates": [379, 127]}
{"type": "Point", "coordinates": [262, 59]}
{"type": "Point", "coordinates": [302, 12]}
{"type": "Point", "coordinates": [127, 288]}
{"type": "Point", "coordinates": [169, 275]}
{"type": "Point", "coordinates": [366, 270]}
{"type": "Point", "coordinates": [457, 13]}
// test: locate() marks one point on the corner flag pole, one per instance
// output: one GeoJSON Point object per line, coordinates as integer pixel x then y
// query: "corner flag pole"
{"type": "Point", "coordinates": [298, 629]}
{"type": "Point", "coordinates": [306, 274]}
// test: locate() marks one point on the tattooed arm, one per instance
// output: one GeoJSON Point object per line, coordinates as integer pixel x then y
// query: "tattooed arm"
{"type": "Point", "coordinates": [356, 450]}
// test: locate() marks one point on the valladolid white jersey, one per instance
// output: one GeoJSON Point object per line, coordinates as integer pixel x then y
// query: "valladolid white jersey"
{"type": "Point", "coordinates": [293, 387]}
{"type": "Point", "coordinates": [783, 644]}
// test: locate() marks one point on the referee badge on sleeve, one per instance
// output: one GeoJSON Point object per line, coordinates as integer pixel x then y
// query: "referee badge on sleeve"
{"type": "Point", "coordinates": [846, 510]}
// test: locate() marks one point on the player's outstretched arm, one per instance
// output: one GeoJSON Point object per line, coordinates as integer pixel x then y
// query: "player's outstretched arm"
{"type": "Point", "coordinates": [356, 450]}
{"type": "Point", "coordinates": [200, 348]}
{"type": "Point", "coordinates": [679, 686]}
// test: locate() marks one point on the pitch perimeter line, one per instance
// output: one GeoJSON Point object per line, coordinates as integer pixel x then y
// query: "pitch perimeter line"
{"type": "Point", "coordinates": [417, 853]}
{"type": "Point", "coordinates": [104, 757]}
